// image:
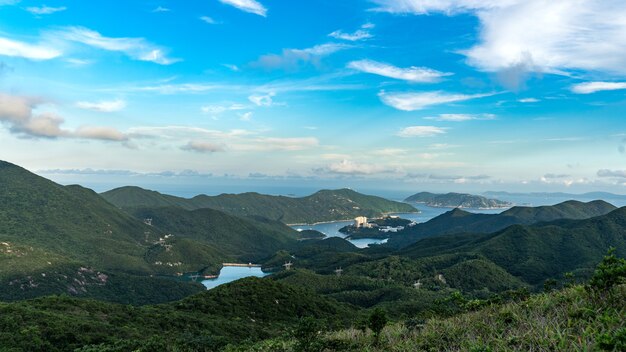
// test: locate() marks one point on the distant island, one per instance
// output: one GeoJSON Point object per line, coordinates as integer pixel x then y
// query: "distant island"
{"type": "Point", "coordinates": [457, 200]}
{"type": "Point", "coordinates": [588, 195]}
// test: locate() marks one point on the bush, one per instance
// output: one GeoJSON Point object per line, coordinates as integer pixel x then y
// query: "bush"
{"type": "Point", "coordinates": [609, 273]}
{"type": "Point", "coordinates": [613, 341]}
{"type": "Point", "coordinates": [378, 320]}
{"type": "Point", "coordinates": [307, 333]}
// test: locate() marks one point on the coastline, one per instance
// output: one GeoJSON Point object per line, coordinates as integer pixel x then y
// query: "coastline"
{"type": "Point", "coordinates": [332, 221]}
{"type": "Point", "coordinates": [461, 207]}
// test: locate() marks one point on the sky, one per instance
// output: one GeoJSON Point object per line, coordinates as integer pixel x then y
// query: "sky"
{"type": "Point", "coordinates": [235, 95]}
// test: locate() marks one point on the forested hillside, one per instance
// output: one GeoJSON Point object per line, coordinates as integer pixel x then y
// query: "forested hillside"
{"type": "Point", "coordinates": [326, 205]}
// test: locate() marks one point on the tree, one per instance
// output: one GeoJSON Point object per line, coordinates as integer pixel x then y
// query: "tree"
{"type": "Point", "coordinates": [377, 321]}
{"type": "Point", "coordinates": [609, 273]}
{"type": "Point", "coordinates": [307, 334]}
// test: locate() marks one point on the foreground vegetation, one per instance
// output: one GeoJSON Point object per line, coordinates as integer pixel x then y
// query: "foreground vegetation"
{"type": "Point", "coordinates": [576, 318]}
{"type": "Point", "coordinates": [266, 315]}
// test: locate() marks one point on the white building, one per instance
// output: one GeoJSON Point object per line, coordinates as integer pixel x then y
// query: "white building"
{"type": "Point", "coordinates": [360, 221]}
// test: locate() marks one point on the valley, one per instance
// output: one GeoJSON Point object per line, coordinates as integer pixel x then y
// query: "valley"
{"type": "Point", "coordinates": [174, 263]}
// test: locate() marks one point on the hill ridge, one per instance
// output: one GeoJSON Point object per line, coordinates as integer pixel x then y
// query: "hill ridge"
{"type": "Point", "coordinates": [323, 205]}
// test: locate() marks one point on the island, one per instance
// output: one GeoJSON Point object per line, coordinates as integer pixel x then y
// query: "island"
{"type": "Point", "coordinates": [457, 200]}
{"type": "Point", "coordinates": [375, 228]}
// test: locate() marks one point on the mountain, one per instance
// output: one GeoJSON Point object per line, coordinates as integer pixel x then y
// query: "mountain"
{"type": "Point", "coordinates": [457, 220]}
{"type": "Point", "coordinates": [246, 310]}
{"type": "Point", "coordinates": [588, 195]}
{"type": "Point", "coordinates": [325, 205]}
{"type": "Point", "coordinates": [69, 221]}
{"type": "Point", "coordinates": [233, 238]}
{"type": "Point", "coordinates": [68, 240]}
{"type": "Point", "coordinates": [456, 200]}
{"type": "Point", "coordinates": [536, 252]}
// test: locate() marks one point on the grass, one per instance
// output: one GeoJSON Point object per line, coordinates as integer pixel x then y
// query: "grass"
{"type": "Point", "coordinates": [589, 317]}
{"type": "Point", "coordinates": [569, 320]}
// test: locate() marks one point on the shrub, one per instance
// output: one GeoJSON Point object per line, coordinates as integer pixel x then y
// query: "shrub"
{"type": "Point", "coordinates": [378, 320]}
{"type": "Point", "coordinates": [609, 273]}
{"type": "Point", "coordinates": [307, 333]}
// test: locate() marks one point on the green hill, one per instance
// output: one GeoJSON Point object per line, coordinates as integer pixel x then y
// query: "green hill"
{"type": "Point", "coordinates": [457, 200]}
{"type": "Point", "coordinates": [234, 238]}
{"type": "Point", "coordinates": [457, 220]}
{"type": "Point", "coordinates": [469, 273]}
{"type": "Point", "coordinates": [67, 240]}
{"type": "Point", "coordinates": [247, 310]}
{"type": "Point", "coordinates": [325, 205]}
{"type": "Point", "coordinates": [72, 222]}
{"type": "Point", "coordinates": [536, 252]}
{"type": "Point", "coordinates": [588, 317]}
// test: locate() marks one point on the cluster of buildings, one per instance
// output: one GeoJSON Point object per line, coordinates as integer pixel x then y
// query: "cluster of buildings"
{"type": "Point", "coordinates": [361, 222]}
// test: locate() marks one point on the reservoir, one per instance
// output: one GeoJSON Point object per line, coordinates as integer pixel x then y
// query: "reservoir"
{"type": "Point", "coordinates": [232, 273]}
{"type": "Point", "coordinates": [331, 229]}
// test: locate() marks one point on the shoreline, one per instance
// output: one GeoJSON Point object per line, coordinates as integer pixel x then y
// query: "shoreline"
{"type": "Point", "coordinates": [455, 207]}
{"type": "Point", "coordinates": [333, 221]}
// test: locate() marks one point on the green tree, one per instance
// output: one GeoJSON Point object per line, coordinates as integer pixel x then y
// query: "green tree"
{"type": "Point", "coordinates": [610, 272]}
{"type": "Point", "coordinates": [307, 333]}
{"type": "Point", "coordinates": [377, 321]}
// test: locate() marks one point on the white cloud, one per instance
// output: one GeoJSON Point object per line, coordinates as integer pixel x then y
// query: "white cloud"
{"type": "Point", "coordinates": [218, 109]}
{"type": "Point", "coordinates": [232, 67]}
{"type": "Point", "coordinates": [182, 88]}
{"type": "Point", "coordinates": [17, 113]}
{"type": "Point", "coordinates": [390, 152]}
{"type": "Point", "coordinates": [411, 74]}
{"type": "Point", "coordinates": [441, 146]}
{"type": "Point", "coordinates": [358, 35]}
{"type": "Point", "coordinates": [262, 100]}
{"type": "Point", "coordinates": [348, 167]}
{"type": "Point", "coordinates": [529, 100]}
{"type": "Point", "coordinates": [246, 116]}
{"type": "Point", "coordinates": [462, 117]}
{"type": "Point", "coordinates": [592, 87]}
{"type": "Point", "coordinates": [174, 132]}
{"type": "Point", "coordinates": [422, 7]}
{"type": "Point", "coordinates": [78, 62]}
{"type": "Point", "coordinates": [15, 48]}
{"type": "Point", "coordinates": [101, 133]}
{"type": "Point", "coordinates": [292, 59]}
{"type": "Point", "coordinates": [161, 9]}
{"type": "Point", "coordinates": [421, 100]}
{"type": "Point", "coordinates": [540, 36]}
{"type": "Point", "coordinates": [552, 176]}
{"type": "Point", "coordinates": [250, 6]}
{"type": "Point", "coordinates": [208, 20]}
{"type": "Point", "coordinates": [46, 125]}
{"type": "Point", "coordinates": [317, 83]}
{"type": "Point", "coordinates": [102, 106]}
{"type": "Point", "coordinates": [136, 48]}
{"type": "Point", "coordinates": [612, 173]}
{"type": "Point", "coordinates": [421, 131]}
{"type": "Point", "coordinates": [45, 10]}
{"type": "Point", "coordinates": [237, 140]}
{"type": "Point", "coordinates": [203, 147]}
{"type": "Point", "coordinates": [285, 144]}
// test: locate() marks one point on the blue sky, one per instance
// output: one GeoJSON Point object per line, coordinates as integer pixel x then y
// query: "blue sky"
{"type": "Point", "coordinates": [390, 94]}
